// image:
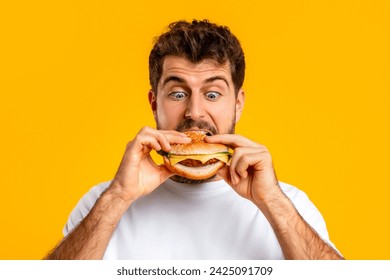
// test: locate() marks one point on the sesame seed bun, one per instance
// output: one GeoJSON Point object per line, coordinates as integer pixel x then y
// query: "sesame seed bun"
{"type": "Point", "coordinates": [197, 146]}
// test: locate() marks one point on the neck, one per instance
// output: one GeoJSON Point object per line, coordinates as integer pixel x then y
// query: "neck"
{"type": "Point", "coordinates": [183, 180]}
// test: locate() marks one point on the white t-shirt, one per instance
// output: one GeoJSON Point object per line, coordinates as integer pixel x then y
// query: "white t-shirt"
{"type": "Point", "coordinates": [205, 221]}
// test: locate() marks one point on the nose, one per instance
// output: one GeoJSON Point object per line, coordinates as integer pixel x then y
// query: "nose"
{"type": "Point", "coordinates": [195, 110]}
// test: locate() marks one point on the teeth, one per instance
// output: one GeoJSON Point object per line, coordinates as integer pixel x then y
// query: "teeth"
{"type": "Point", "coordinates": [206, 132]}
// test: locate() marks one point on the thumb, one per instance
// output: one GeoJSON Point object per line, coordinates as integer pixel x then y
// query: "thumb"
{"type": "Point", "coordinates": [225, 174]}
{"type": "Point", "coordinates": [165, 173]}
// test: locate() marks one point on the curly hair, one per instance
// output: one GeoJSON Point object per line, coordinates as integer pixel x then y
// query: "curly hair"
{"type": "Point", "coordinates": [197, 41]}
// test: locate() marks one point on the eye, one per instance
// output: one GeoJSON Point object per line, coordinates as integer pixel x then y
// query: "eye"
{"type": "Point", "coordinates": [177, 95]}
{"type": "Point", "coordinates": [212, 95]}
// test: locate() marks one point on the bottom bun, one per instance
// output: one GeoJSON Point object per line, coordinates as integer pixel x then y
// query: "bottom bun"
{"type": "Point", "coordinates": [194, 173]}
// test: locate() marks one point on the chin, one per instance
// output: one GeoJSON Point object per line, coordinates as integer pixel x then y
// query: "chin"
{"type": "Point", "coordinates": [184, 180]}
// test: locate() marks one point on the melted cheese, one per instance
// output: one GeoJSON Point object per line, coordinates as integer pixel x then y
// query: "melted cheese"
{"type": "Point", "coordinates": [203, 158]}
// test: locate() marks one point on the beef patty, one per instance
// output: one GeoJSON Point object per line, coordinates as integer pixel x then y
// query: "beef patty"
{"type": "Point", "coordinates": [197, 163]}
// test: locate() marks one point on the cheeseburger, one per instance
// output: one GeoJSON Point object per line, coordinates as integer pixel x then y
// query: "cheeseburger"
{"type": "Point", "coordinates": [197, 160]}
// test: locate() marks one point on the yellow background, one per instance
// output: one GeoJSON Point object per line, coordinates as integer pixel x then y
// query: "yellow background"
{"type": "Point", "coordinates": [74, 83]}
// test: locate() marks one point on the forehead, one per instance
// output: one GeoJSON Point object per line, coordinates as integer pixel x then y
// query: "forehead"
{"type": "Point", "coordinates": [179, 66]}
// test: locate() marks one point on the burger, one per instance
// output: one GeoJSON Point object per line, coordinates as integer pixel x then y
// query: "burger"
{"type": "Point", "coordinates": [197, 160]}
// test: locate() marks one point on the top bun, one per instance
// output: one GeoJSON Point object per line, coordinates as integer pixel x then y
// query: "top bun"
{"type": "Point", "coordinates": [197, 145]}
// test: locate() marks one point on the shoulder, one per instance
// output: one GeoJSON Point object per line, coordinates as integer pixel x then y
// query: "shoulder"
{"type": "Point", "coordinates": [302, 203]}
{"type": "Point", "coordinates": [296, 195]}
{"type": "Point", "coordinates": [84, 205]}
{"type": "Point", "coordinates": [306, 208]}
{"type": "Point", "coordinates": [89, 198]}
{"type": "Point", "coordinates": [97, 190]}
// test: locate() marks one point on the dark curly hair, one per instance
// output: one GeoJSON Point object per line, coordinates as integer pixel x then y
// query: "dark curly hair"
{"type": "Point", "coordinates": [197, 41]}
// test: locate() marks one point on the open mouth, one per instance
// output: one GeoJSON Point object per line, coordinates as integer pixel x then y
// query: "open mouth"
{"type": "Point", "coordinates": [204, 131]}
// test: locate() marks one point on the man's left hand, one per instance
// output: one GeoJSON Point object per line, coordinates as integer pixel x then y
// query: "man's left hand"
{"type": "Point", "coordinates": [250, 172]}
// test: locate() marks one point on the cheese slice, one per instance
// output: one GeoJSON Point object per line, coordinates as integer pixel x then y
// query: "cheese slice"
{"type": "Point", "coordinates": [203, 158]}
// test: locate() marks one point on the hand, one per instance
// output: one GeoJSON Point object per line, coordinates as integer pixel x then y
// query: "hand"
{"type": "Point", "coordinates": [250, 172]}
{"type": "Point", "coordinates": [138, 174]}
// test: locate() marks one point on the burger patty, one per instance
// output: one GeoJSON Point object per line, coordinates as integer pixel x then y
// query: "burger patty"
{"type": "Point", "coordinates": [197, 163]}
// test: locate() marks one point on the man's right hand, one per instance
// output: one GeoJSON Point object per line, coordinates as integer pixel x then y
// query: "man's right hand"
{"type": "Point", "coordinates": [138, 175]}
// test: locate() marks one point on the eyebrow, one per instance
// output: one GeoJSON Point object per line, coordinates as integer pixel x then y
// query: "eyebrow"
{"type": "Point", "coordinates": [207, 81]}
{"type": "Point", "coordinates": [172, 78]}
{"type": "Point", "coordinates": [216, 78]}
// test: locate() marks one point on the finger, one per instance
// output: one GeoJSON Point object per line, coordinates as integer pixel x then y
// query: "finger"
{"type": "Point", "coordinates": [149, 141]}
{"type": "Point", "coordinates": [159, 139]}
{"type": "Point", "coordinates": [175, 132]}
{"type": "Point", "coordinates": [224, 173]}
{"type": "Point", "coordinates": [175, 137]}
{"type": "Point", "coordinates": [235, 176]}
{"type": "Point", "coordinates": [245, 161]}
{"type": "Point", "coordinates": [165, 172]}
{"type": "Point", "coordinates": [233, 140]}
{"type": "Point", "coordinates": [245, 157]}
{"type": "Point", "coordinates": [151, 135]}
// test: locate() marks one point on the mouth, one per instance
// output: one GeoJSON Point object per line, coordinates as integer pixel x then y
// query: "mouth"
{"type": "Point", "coordinates": [204, 131]}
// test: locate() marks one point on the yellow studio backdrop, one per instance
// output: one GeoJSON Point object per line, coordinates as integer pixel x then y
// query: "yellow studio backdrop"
{"type": "Point", "coordinates": [74, 83]}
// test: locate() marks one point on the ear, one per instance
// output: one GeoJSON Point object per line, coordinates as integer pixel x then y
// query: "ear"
{"type": "Point", "coordinates": [153, 102]}
{"type": "Point", "coordinates": [240, 100]}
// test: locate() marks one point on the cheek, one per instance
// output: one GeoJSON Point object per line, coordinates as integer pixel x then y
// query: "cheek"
{"type": "Point", "coordinates": [168, 116]}
{"type": "Point", "coordinates": [224, 117]}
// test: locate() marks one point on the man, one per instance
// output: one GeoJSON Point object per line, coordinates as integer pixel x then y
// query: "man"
{"type": "Point", "coordinates": [147, 212]}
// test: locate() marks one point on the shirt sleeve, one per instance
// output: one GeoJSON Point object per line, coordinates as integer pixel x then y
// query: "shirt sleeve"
{"type": "Point", "coordinates": [308, 211]}
{"type": "Point", "coordinates": [83, 207]}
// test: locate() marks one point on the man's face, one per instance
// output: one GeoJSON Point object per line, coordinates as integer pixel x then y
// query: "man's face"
{"type": "Point", "coordinates": [196, 97]}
